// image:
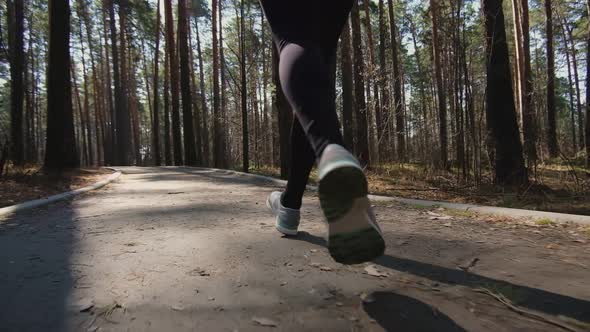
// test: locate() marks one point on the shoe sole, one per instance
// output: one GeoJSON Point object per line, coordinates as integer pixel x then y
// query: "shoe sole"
{"type": "Point", "coordinates": [353, 237]}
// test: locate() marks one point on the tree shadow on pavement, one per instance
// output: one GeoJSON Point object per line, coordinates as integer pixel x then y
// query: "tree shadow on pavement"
{"type": "Point", "coordinates": [529, 297]}
{"type": "Point", "coordinates": [395, 312]}
{"type": "Point", "coordinates": [36, 275]}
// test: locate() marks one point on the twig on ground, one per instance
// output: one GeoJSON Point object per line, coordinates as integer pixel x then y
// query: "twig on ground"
{"type": "Point", "coordinates": [531, 314]}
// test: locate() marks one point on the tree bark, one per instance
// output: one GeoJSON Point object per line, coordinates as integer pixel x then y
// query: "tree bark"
{"type": "Point", "coordinates": [156, 117]}
{"type": "Point", "coordinates": [173, 70]}
{"type": "Point", "coordinates": [244, 89]}
{"type": "Point", "coordinates": [204, 109]}
{"type": "Point", "coordinates": [217, 139]}
{"type": "Point", "coordinates": [359, 84]}
{"type": "Point", "coordinates": [16, 28]}
{"type": "Point", "coordinates": [61, 140]}
{"type": "Point", "coordinates": [529, 126]}
{"type": "Point", "coordinates": [190, 153]}
{"type": "Point", "coordinates": [397, 87]}
{"type": "Point", "coordinates": [442, 102]}
{"type": "Point", "coordinates": [551, 110]}
{"type": "Point", "coordinates": [509, 165]}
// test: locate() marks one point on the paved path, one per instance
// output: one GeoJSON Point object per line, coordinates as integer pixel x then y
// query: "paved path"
{"type": "Point", "coordinates": [179, 249]}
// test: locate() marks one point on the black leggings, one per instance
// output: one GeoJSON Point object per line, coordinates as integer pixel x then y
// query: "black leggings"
{"type": "Point", "coordinates": [306, 34]}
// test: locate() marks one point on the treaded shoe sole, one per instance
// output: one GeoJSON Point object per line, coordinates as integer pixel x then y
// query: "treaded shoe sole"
{"type": "Point", "coordinates": [353, 237]}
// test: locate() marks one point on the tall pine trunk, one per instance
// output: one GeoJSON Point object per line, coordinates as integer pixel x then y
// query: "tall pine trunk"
{"type": "Point", "coordinates": [359, 93]}
{"type": "Point", "coordinates": [529, 126]}
{"type": "Point", "coordinates": [397, 87]}
{"type": "Point", "coordinates": [441, 97]}
{"type": "Point", "coordinates": [190, 153]}
{"type": "Point", "coordinates": [244, 89]}
{"type": "Point", "coordinates": [173, 70]}
{"type": "Point", "coordinates": [61, 141]}
{"type": "Point", "coordinates": [551, 109]}
{"type": "Point", "coordinates": [203, 98]}
{"type": "Point", "coordinates": [156, 116]}
{"type": "Point", "coordinates": [217, 139]}
{"type": "Point", "coordinates": [16, 28]}
{"type": "Point", "coordinates": [509, 165]}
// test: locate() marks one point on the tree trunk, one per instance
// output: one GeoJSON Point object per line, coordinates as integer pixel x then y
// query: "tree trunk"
{"type": "Point", "coordinates": [167, 140]}
{"type": "Point", "coordinates": [442, 102]}
{"type": "Point", "coordinates": [244, 89]}
{"type": "Point", "coordinates": [217, 139]}
{"type": "Point", "coordinates": [529, 126]}
{"type": "Point", "coordinates": [509, 165]}
{"type": "Point", "coordinates": [156, 117]}
{"type": "Point", "coordinates": [359, 84]}
{"type": "Point", "coordinates": [173, 70]}
{"type": "Point", "coordinates": [205, 131]}
{"type": "Point", "coordinates": [16, 28]}
{"type": "Point", "coordinates": [190, 153]}
{"type": "Point", "coordinates": [347, 98]}
{"type": "Point", "coordinates": [397, 87]}
{"type": "Point", "coordinates": [551, 110]}
{"type": "Point", "coordinates": [86, 125]}
{"type": "Point", "coordinates": [223, 103]}
{"type": "Point", "coordinates": [61, 140]}
{"type": "Point", "coordinates": [576, 82]}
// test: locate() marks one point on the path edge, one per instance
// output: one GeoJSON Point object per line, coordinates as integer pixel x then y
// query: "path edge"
{"type": "Point", "coordinates": [58, 197]}
{"type": "Point", "coordinates": [563, 218]}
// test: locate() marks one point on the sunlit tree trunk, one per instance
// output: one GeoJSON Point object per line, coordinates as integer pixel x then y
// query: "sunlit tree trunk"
{"type": "Point", "coordinates": [173, 71]}
{"type": "Point", "coordinates": [509, 165]}
{"type": "Point", "coordinates": [551, 109]}
{"type": "Point", "coordinates": [156, 117]}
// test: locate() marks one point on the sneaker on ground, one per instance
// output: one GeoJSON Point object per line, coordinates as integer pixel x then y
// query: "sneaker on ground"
{"type": "Point", "coordinates": [287, 220]}
{"type": "Point", "coordinates": [353, 233]}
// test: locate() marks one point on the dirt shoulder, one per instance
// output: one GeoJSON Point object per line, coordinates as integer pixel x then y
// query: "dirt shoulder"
{"type": "Point", "coordinates": [30, 183]}
{"type": "Point", "coordinates": [553, 188]}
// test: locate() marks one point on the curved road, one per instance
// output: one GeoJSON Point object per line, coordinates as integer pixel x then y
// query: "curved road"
{"type": "Point", "coordinates": [181, 249]}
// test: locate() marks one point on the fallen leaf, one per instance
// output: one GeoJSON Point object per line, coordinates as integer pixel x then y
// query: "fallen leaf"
{"type": "Point", "coordinates": [177, 307]}
{"type": "Point", "coordinates": [283, 283]}
{"type": "Point", "coordinates": [373, 271]}
{"type": "Point", "coordinates": [325, 268]}
{"type": "Point", "coordinates": [211, 298]}
{"type": "Point", "coordinates": [264, 321]}
{"type": "Point", "coordinates": [313, 250]}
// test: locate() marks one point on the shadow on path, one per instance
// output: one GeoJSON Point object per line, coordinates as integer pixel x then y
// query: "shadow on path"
{"type": "Point", "coordinates": [532, 298]}
{"type": "Point", "coordinates": [396, 312]}
{"type": "Point", "coordinates": [36, 275]}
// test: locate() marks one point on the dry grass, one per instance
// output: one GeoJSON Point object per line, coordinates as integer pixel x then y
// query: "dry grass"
{"type": "Point", "coordinates": [29, 182]}
{"type": "Point", "coordinates": [553, 187]}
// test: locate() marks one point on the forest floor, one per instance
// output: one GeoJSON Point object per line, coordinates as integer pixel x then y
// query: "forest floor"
{"type": "Point", "coordinates": [29, 183]}
{"type": "Point", "coordinates": [181, 249]}
{"type": "Point", "coordinates": [553, 188]}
